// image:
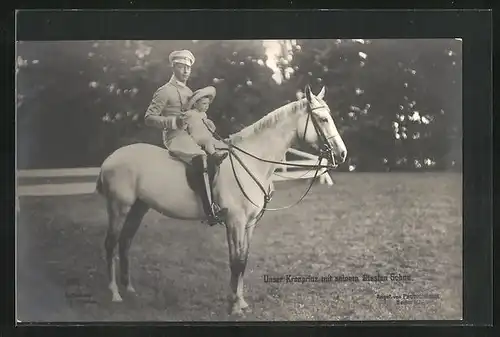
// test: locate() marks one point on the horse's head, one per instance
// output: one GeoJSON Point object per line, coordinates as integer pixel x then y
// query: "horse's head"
{"type": "Point", "coordinates": [318, 129]}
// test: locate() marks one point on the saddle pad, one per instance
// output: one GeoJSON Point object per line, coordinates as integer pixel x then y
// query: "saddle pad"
{"type": "Point", "coordinates": [194, 175]}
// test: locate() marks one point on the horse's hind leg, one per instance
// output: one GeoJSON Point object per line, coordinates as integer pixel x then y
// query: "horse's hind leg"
{"type": "Point", "coordinates": [117, 213]}
{"type": "Point", "coordinates": [130, 227]}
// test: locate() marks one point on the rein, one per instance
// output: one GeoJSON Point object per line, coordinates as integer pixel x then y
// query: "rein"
{"type": "Point", "coordinates": [267, 196]}
{"type": "Point", "coordinates": [324, 152]}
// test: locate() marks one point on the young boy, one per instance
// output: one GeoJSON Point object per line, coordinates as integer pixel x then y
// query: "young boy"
{"type": "Point", "coordinates": [198, 125]}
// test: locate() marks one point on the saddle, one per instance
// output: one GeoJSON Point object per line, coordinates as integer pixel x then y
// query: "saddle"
{"type": "Point", "coordinates": [193, 172]}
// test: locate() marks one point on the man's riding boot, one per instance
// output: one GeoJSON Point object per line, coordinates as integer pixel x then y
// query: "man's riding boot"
{"type": "Point", "coordinates": [206, 193]}
{"type": "Point", "coordinates": [217, 156]}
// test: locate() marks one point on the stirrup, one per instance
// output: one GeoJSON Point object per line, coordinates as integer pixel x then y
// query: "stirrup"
{"type": "Point", "coordinates": [217, 215]}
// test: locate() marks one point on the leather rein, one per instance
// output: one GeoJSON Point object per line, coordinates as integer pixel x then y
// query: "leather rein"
{"type": "Point", "coordinates": [325, 153]}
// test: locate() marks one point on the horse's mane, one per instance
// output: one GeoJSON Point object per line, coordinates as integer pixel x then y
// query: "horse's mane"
{"type": "Point", "coordinates": [268, 120]}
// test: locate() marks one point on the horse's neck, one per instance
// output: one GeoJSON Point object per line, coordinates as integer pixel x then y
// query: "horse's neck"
{"type": "Point", "coordinates": [270, 143]}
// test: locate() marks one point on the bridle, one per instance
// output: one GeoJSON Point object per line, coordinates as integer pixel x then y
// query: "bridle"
{"type": "Point", "coordinates": [325, 152]}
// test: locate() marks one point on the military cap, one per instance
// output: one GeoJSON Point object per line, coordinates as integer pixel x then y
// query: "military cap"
{"type": "Point", "coordinates": [181, 56]}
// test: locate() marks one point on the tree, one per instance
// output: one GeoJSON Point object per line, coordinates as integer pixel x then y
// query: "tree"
{"type": "Point", "coordinates": [397, 103]}
{"type": "Point", "coordinates": [379, 94]}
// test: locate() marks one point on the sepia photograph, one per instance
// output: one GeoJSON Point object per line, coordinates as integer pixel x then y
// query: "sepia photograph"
{"type": "Point", "coordinates": [239, 180]}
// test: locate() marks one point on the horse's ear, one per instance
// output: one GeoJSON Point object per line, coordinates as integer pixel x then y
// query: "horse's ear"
{"type": "Point", "coordinates": [308, 93]}
{"type": "Point", "coordinates": [321, 94]}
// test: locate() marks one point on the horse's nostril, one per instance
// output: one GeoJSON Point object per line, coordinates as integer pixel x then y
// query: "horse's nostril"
{"type": "Point", "coordinates": [343, 155]}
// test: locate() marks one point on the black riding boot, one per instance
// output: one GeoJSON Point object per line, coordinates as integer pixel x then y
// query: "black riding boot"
{"type": "Point", "coordinates": [205, 191]}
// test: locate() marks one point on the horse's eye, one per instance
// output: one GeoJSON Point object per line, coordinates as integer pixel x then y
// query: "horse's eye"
{"type": "Point", "coordinates": [323, 120]}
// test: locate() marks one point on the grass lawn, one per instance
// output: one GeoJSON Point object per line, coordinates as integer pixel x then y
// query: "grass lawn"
{"type": "Point", "coordinates": [367, 223]}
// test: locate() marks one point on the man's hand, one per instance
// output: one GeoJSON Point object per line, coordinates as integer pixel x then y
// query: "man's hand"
{"type": "Point", "coordinates": [169, 122]}
{"type": "Point", "coordinates": [180, 122]}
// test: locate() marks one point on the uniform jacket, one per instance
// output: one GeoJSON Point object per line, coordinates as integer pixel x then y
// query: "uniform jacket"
{"type": "Point", "coordinates": [168, 101]}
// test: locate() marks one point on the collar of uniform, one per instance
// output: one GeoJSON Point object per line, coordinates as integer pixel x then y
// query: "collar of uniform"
{"type": "Point", "coordinates": [175, 81]}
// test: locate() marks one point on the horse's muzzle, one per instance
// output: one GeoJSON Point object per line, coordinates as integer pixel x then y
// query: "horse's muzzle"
{"type": "Point", "coordinates": [333, 158]}
{"type": "Point", "coordinates": [343, 156]}
{"type": "Point", "coordinates": [329, 155]}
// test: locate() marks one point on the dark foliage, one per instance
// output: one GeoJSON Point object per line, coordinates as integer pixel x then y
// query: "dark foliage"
{"type": "Point", "coordinates": [396, 102]}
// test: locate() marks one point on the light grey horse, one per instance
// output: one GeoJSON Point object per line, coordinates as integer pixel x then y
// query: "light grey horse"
{"type": "Point", "coordinates": [138, 177]}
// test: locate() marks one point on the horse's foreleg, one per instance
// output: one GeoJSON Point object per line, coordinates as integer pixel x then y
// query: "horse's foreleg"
{"type": "Point", "coordinates": [239, 236]}
{"type": "Point", "coordinates": [117, 215]}
{"type": "Point", "coordinates": [130, 227]}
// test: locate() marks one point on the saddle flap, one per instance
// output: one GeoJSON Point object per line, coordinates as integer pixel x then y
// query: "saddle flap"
{"type": "Point", "coordinates": [194, 174]}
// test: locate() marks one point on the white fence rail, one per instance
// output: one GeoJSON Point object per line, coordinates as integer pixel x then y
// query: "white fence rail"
{"type": "Point", "coordinates": [282, 173]}
{"type": "Point", "coordinates": [59, 173]}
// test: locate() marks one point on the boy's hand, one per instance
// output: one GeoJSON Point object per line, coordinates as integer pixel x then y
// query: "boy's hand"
{"type": "Point", "coordinates": [181, 121]}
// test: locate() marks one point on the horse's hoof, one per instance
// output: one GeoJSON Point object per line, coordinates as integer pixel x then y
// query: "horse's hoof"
{"type": "Point", "coordinates": [116, 298]}
{"type": "Point", "coordinates": [115, 293]}
{"type": "Point", "coordinates": [244, 305]}
{"type": "Point", "coordinates": [130, 289]}
{"type": "Point", "coordinates": [237, 313]}
{"type": "Point", "coordinates": [247, 309]}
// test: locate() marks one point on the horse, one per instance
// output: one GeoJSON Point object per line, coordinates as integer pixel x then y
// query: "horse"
{"type": "Point", "coordinates": [139, 177]}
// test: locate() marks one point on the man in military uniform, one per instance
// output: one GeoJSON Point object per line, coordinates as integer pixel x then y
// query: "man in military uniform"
{"type": "Point", "coordinates": [165, 109]}
{"type": "Point", "coordinates": [165, 113]}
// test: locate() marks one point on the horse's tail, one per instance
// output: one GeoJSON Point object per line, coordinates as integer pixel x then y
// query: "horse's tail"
{"type": "Point", "coordinates": [99, 184]}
